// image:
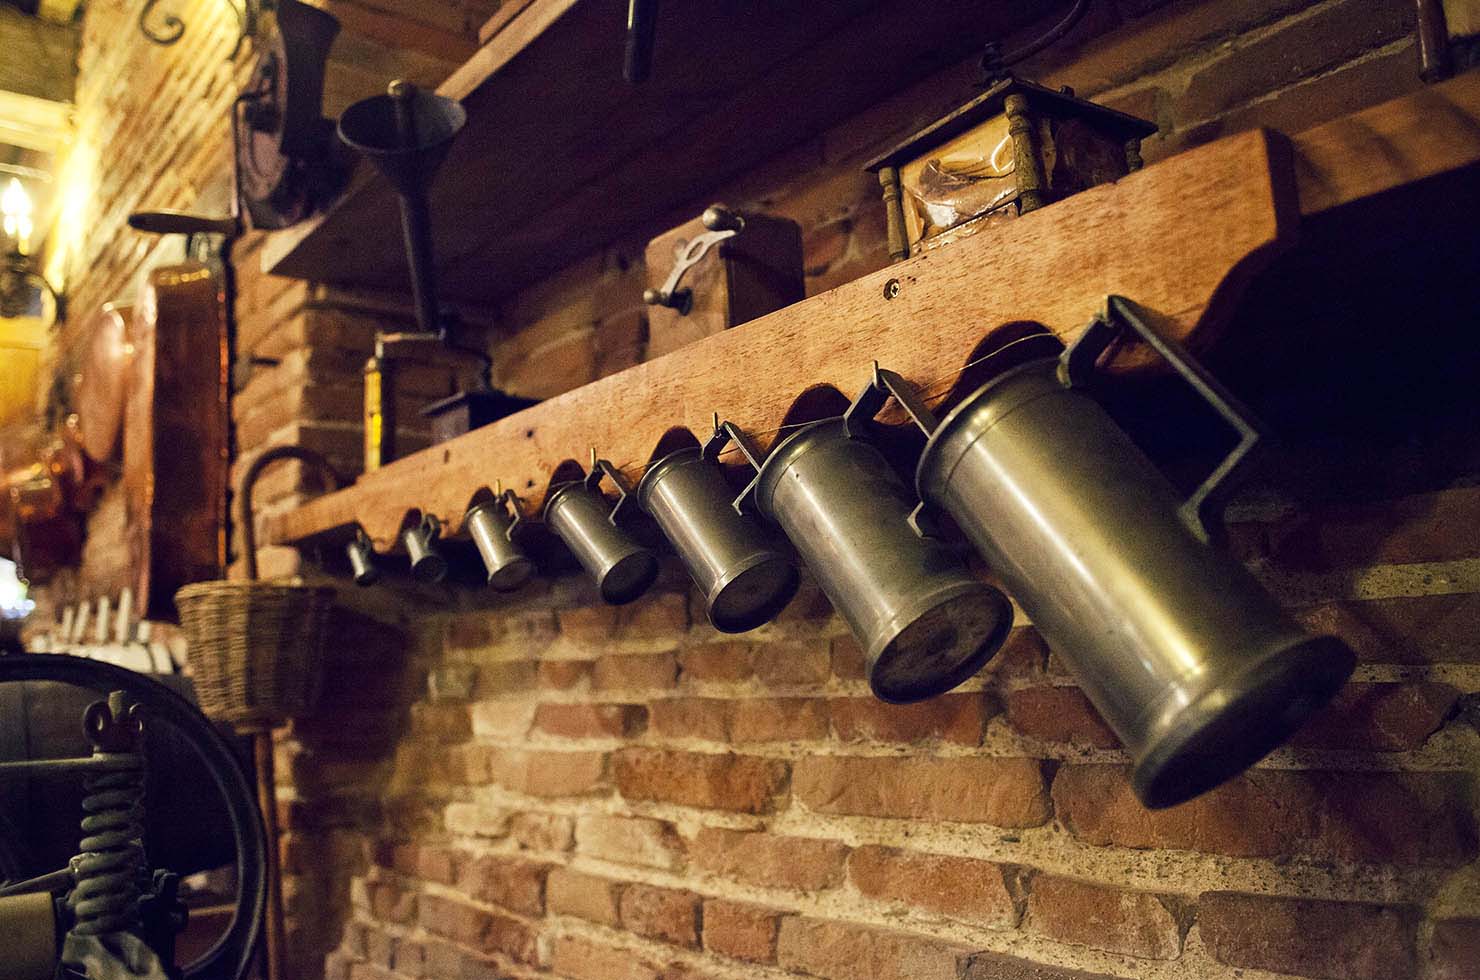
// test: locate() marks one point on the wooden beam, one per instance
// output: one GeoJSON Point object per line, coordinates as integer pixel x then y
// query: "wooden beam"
{"type": "Point", "coordinates": [1177, 237]}
{"type": "Point", "coordinates": [1431, 132]}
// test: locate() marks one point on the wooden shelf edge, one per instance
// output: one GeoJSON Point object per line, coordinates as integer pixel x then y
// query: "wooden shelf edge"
{"type": "Point", "coordinates": [1147, 236]}
{"type": "Point", "coordinates": [1179, 238]}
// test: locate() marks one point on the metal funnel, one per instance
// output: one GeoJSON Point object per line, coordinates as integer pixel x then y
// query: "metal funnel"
{"type": "Point", "coordinates": [405, 133]}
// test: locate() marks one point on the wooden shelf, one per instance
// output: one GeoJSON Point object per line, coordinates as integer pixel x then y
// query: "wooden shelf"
{"type": "Point", "coordinates": [1180, 238]}
{"type": "Point", "coordinates": [561, 157]}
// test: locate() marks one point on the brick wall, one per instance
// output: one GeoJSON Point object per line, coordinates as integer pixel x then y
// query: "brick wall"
{"type": "Point", "coordinates": [545, 786]}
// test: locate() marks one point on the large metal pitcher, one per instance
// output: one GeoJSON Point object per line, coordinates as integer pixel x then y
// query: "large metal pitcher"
{"type": "Point", "coordinates": [924, 623]}
{"type": "Point", "coordinates": [746, 575]}
{"type": "Point", "coordinates": [1188, 658]}
{"type": "Point", "coordinates": [578, 514]}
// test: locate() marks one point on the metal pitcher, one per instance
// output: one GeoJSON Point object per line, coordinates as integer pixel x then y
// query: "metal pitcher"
{"type": "Point", "coordinates": [361, 555]}
{"type": "Point", "coordinates": [493, 526]}
{"type": "Point", "coordinates": [924, 623]}
{"type": "Point", "coordinates": [427, 562]}
{"type": "Point", "coordinates": [1190, 661]}
{"type": "Point", "coordinates": [744, 573]}
{"type": "Point", "coordinates": [577, 512]}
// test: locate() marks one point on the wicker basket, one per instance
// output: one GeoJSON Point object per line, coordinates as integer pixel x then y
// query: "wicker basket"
{"type": "Point", "coordinates": [255, 648]}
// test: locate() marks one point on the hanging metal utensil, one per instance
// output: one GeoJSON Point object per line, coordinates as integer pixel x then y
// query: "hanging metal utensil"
{"type": "Point", "coordinates": [924, 623]}
{"type": "Point", "coordinates": [1190, 661]}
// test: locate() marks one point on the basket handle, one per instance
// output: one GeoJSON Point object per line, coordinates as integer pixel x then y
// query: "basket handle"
{"type": "Point", "coordinates": [266, 458]}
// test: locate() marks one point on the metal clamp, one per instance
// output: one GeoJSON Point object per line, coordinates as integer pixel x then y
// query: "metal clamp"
{"type": "Point", "coordinates": [625, 500]}
{"type": "Point", "coordinates": [724, 434]}
{"type": "Point", "coordinates": [722, 224]}
{"type": "Point", "coordinates": [1077, 369]}
{"type": "Point", "coordinates": [924, 519]}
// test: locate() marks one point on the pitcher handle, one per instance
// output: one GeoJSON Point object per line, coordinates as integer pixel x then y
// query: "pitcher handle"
{"type": "Point", "coordinates": [884, 385]}
{"type": "Point", "coordinates": [1077, 365]}
{"type": "Point", "coordinates": [625, 499]}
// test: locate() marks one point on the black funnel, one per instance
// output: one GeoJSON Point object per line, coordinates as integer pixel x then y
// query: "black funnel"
{"type": "Point", "coordinates": [405, 133]}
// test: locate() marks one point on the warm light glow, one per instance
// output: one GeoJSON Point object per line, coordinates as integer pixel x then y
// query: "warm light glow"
{"type": "Point", "coordinates": [14, 602]}
{"type": "Point", "coordinates": [16, 206]}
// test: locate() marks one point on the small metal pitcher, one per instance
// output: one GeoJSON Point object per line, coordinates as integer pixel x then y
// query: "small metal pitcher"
{"type": "Point", "coordinates": [577, 512]}
{"type": "Point", "coordinates": [746, 576]}
{"type": "Point", "coordinates": [427, 563]}
{"type": "Point", "coordinates": [493, 526]}
{"type": "Point", "coordinates": [925, 624]}
{"type": "Point", "coordinates": [1186, 656]}
{"type": "Point", "coordinates": [361, 555]}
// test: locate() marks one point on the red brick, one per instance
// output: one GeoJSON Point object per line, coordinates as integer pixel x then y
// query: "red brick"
{"type": "Point", "coordinates": [721, 782]}
{"type": "Point", "coordinates": [1058, 714]}
{"type": "Point", "coordinates": [369, 971]}
{"type": "Point", "coordinates": [1023, 657]}
{"type": "Point", "coordinates": [438, 863]}
{"type": "Point", "coordinates": [547, 773]}
{"type": "Point", "coordinates": [390, 901]}
{"type": "Point", "coordinates": [500, 677]}
{"type": "Point", "coordinates": [514, 884]}
{"type": "Point", "coordinates": [502, 720]}
{"type": "Point", "coordinates": [380, 948]}
{"type": "Point", "coordinates": [542, 831]}
{"type": "Point", "coordinates": [470, 631]}
{"type": "Point", "coordinates": [399, 856]}
{"type": "Point", "coordinates": [659, 614]}
{"type": "Point", "coordinates": [961, 888]}
{"type": "Point", "coordinates": [846, 658]}
{"type": "Point", "coordinates": [458, 921]}
{"type": "Point", "coordinates": [1007, 792]}
{"type": "Point", "coordinates": [1379, 717]}
{"type": "Point", "coordinates": [1408, 630]}
{"type": "Point", "coordinates": [511, 937]}
{"type": "Point", "coordinates": [562, 675]}
{"type": "Point", "coordinates": [777, 719]}
{"type": "Point", "coordinates": [670, 915]}
{"type": "Point", "coordinates": [957, 718]}
{"type": "Point", "coordinates": [997, 966]}
{"type": "Point", "coordinates": [1128, 922]}
{"type": "Point", "coordinates": [757, 858]}
{"type": "Point", "coordinates": [745, 932]}
{"type": "Point", "coordinates": [411, 959]}
{"type": "Point", "coordinates": [582, 959]}
{"type": "Point", "coordinates": [840, 951]}
{"type": "Point", "coordinates": [597, 622]}
{"type": "Point", "coordinates": [1336, 33]}
{"type": "Point", "coordinates": [1439, 526]}
{"type": "Point", "coordinates": [793, 664]}
{"type": "Point", "coordinates": [1416, 818]}
{"type": "Point", "coordinates": [590, 720]}
{"type": "Point", "coordinates": [441, 721]}
{"type": "Point", "coordinates": [1354, 86]}
{"type": "Point", "coordinates": [1454, 950]}
{"type": "Point", "coordinates": [1325, 940]}
{"type": "Point", "coordinates": [629, 840]}
{"type": "Point", "coordinates": [718, 663]}
{"type": "Point", "coordinates": [706, 718]}
{"type": "Point", "coordinates": [635, 672]}
{"type": "Point", "coordinates": [583, 896]}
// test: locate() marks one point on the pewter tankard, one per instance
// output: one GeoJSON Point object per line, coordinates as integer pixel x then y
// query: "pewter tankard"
{"type": "Point", "coordinates": [1186, 656]}
{"type": "Point", "coordinates": [745, 574]}
{"type": "Point", "coordinates": [492, 530]}
{"type": "Point", "coordinates": [924, 623]}
{"type": "Point", "coordinates": [427, 563]}
{"type": "Point", "coordinates": [578, 514]}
